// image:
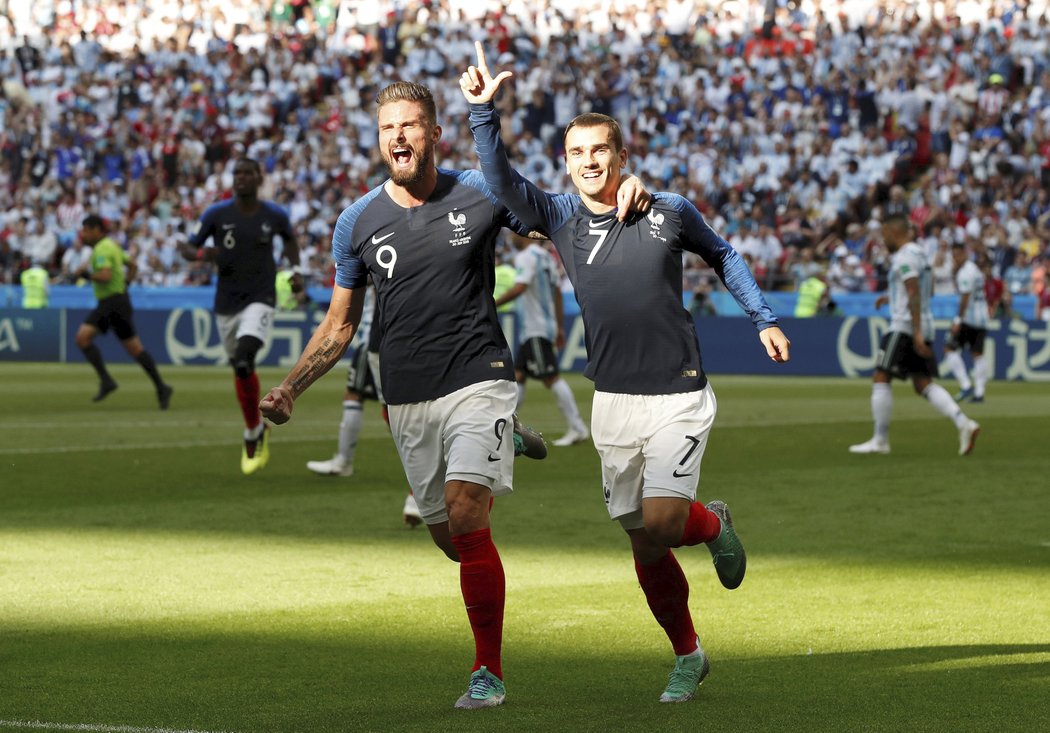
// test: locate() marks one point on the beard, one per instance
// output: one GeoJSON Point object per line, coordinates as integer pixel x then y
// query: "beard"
{"type": "Point", "coordinates": [407, 177]}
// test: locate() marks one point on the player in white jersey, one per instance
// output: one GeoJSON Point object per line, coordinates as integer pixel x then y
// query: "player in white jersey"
{"type": "Point", "coordinates": [969, 328]}
{"type": "Point", "coordinates": [906, 349]}
{"type": "Point", "coordinates": [541, 330]}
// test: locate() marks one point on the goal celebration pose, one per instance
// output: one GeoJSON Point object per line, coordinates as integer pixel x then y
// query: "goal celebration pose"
{"type": "Point", "coordinates": [653, 406]}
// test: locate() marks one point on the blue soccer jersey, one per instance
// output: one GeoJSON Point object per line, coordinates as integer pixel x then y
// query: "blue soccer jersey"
{"type": "Point", "coordinates": [433, 267]}
{"type": "Point", "coordinates": [243, 252]}
{"type": "Point", "coordinates": [627, 275]}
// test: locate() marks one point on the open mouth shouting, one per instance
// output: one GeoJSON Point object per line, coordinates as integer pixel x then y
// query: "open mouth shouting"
{"type": "Point", "coordinates": [407, 165]}
{"type": "Point", "coordinates": [402, 157]}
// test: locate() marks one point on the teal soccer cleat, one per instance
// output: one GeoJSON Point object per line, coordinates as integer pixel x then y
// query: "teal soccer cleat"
{"type": "Point", "coordinates": [484, 691]}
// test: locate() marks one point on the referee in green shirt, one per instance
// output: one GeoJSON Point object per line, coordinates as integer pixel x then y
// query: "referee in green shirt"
{"type": "Point", "coordinates": [114, 310]}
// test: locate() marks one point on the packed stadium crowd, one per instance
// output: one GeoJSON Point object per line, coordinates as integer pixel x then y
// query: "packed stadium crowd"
{"type": "Point", "coordinates": [795, 133]}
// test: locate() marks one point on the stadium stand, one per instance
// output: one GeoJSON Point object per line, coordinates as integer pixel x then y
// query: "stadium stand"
{"type": "Point", "coordinates": [794, 133]}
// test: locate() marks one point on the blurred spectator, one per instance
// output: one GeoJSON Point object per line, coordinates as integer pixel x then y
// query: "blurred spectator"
{"type": "Point", "coordinates": [813, 296]}
{"type": "Point", "coordinates": [790, 134]}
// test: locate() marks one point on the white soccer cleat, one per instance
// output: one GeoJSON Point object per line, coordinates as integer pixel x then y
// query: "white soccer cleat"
{"type": "Point", "coordinates": [334, 466]}
{"type": "Point", "coordinates": [968, 437]}
{"type": "Point", "coordinates": [872, 446]}
{"type": "Point", "coordinates": [411, 512]}
{"type": "Point", "coordinates": [572, 437]}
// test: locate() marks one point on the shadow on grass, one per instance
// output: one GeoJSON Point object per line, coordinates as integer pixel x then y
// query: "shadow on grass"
{"type": "Point", "coordinates": [406, 682]}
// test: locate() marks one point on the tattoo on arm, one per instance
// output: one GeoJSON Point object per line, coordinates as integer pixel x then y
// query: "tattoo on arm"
{"type": "Point", "coordinates": [316, 364]}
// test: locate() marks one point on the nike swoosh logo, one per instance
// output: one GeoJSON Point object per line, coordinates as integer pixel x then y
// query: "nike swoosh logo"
{"type": "Point", "coordinates": [680, 475]}
{"type": "Point", "coordinates": [599, 222]}
{"type": "Point", "coordinates": [228, 227]}
{"type": "Point", "coordinates": [493, 460]}
{"type": "Point", "coordinates": [377, 240]}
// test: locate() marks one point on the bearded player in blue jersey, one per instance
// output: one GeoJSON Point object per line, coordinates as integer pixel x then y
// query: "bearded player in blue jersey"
{"type": "Point", "coordinates": [653, 407]}
{"type": "Point", "coordinates": [426, 238]}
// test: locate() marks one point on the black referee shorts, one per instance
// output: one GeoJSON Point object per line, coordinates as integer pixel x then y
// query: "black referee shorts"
{"type": "Point", "coordinates": [113, 312]}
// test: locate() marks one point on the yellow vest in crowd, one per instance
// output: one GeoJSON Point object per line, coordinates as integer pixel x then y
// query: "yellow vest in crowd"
{"type": "Point", "coordinates": [505, 275]}
{"type": "Point", "coordinates": [809, 294]}
{"type": "Point", "coordinates": [286, 300]}
{"type": "Point", "coordinates": [34, 287]}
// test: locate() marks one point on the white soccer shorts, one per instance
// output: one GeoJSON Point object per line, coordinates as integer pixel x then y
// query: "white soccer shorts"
{"type": "Point", "coordinates": [650, 446]}
{"type": "Point", "coordinates": [467, 435]}
{"type": "Point", "coordinates": [256, 319]}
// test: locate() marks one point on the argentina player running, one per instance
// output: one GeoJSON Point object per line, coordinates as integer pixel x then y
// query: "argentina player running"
{"type": "Point", "coordinates": [426, 238]}
{"type": "Point", "coordinates": [653, 407]}
{"type": "Point", "coordinates": [905, 351]}
{"type": "Point", "coordinates": [243, 230]}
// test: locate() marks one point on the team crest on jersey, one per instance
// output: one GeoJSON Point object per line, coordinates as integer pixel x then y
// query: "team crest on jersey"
{"type": "Point", "coordinates": [656, 221]}
{"type": "Point", "coordinates": [459, 228]}
{"type": "Point", "coordinates": [267, 231]}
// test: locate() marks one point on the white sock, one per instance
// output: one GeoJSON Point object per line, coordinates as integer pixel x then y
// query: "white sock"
{"type": "Point", "coordinates": [958, 367]}
{"type": "Point", "coordinates": [253, 433]}
{"type": "Point", "coordinates": [882, 409]}
{"type": "Point", "coordinates": [521, 395]}
{"type": "Point", "coordinates": [567, 404]}
{"type": "Point", "coordinates": [942, 402]}
{"type": "Point", "coordinates": [980, 375]}
{"type": "Point", "coordinates": [349, 430]}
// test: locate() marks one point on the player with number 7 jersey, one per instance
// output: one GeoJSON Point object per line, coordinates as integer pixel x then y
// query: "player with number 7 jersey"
{"type": "Point", "coordinates": [653, 407]}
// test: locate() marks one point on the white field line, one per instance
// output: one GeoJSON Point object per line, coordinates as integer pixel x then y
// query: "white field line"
{"type": "Point", "coordinates": [96, 728]}
{"type": "Point", "coordinates": [48, 450]}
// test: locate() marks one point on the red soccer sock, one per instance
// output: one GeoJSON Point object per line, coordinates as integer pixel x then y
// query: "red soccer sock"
{"type": "Point", "coordinates": [248, 397]}
{"type": "Point", "coordinates": [484, 593]}
{"type": "Point", "coordinates": [667, 592]}
{"type": "Point", "coordinates": [702, 526]}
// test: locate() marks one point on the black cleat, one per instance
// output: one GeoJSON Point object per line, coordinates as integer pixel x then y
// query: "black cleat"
{"type": "Point", "coordinates": [727, 552]}
{"type": "Point", "coordinates": [103, 390]}
{"type": "Point", "coordinates": [527, 442]}
{"type": "Point", "coordinates": [164, 395]}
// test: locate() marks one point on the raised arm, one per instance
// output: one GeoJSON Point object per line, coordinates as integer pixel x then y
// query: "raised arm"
{"type": "Point", "coordinates": [536, 208]}
{"type": "Point", "coordinates": [325, 349]}
{"type": "Point", "coordinates": [517, 193]}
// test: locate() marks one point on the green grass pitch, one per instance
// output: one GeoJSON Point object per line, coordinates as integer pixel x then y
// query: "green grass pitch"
{"type": "Point", "coordinates": [146, 584]}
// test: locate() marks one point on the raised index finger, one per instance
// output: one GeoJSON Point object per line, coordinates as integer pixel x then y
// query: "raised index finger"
{"type": "Point", "coordinates": [482, 66]}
